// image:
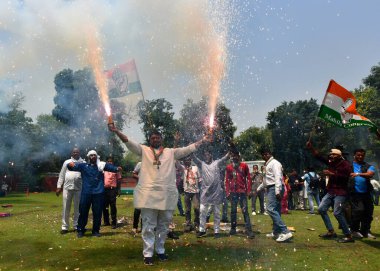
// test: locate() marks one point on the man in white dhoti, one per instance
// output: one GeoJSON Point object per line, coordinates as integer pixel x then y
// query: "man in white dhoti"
{"type": "Point", "coordinates": [156, 193]}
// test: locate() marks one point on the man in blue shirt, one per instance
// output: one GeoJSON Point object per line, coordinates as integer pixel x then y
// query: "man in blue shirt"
{"type": "Point", "coordinates": [361, 201]}
{"type": "Point", "coordinates": [92, 191]}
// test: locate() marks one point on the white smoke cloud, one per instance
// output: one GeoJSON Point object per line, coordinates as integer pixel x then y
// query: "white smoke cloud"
{"type": "Point", "coordinates": [168, 39]}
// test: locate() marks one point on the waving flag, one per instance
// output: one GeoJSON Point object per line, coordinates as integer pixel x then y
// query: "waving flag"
{"type": "Point", "coordinates": [339, 108]}
{"type": "Point", "coordinates": [124, 84]}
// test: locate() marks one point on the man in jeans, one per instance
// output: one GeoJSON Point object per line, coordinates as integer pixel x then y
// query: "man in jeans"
{"type": "Point", "coordinates": [274, 185]}
{"type": "Point", "coordinates": [238, 187]}
{"type": "Point", "coordinates": [338, 174]}
{"type": "Point", "coordinates": [257, 180]}
{"type": "Point", "coordinates": [312, 192]}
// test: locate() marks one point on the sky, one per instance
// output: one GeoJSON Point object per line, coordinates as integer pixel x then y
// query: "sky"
{"type": "Point", "coordinates": [272, 51]}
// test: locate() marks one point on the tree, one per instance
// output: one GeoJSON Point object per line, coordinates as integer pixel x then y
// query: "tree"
{"type": "Point", "coordinates": [290, 125]}
{"type": "Point", "coordinates": [157, 115]}
{"type": "Point", "coordinates": [250, 141]}
{"type": "Point", "coordinates": [194, 124]}
{"type": "Point", "coordinates": [373, 80]}
{"type": "Point", "coordinates": [19, 142]}
{"type": "Point", "coordinates": [78, 106]}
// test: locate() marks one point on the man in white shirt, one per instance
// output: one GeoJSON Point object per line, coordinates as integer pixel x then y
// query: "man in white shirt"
{"type": "Point", "coordinates": [72, 186]}
{"type": "Point", "coordinates": [274, 184]}
{"type": "Point", "coordinates": [156, 193]}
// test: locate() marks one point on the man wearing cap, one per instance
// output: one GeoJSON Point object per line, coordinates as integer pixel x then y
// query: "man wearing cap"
{"type": "Point", "coordinates": [338, 174]}
{"type": "Point", "coordinates": [70, 185]}
{"type": "Point", "coordinates": [92, 194]}
{"type": "Point", "coordinates": [156, 193]}
{"type": "Point", "coordinates": [238, 186]}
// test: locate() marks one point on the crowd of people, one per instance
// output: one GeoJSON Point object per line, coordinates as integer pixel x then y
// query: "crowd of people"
{"type": "Point", "coordinates": [208, 185]}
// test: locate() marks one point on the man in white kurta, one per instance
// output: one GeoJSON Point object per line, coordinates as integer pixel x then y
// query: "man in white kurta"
{"type": "Point", "coordinates": [156, 193]}
{"type": "Point", "coordinates": [70, 183]}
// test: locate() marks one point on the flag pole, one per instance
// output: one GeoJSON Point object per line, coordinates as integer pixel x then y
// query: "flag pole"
{"type": "Point", "coordinates": [150, 121]}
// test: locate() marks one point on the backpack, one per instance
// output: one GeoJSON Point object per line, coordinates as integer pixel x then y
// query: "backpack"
{"type": "Point", "coordinates": [314, 181]}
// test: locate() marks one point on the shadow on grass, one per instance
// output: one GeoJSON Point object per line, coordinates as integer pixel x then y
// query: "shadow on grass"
{"type": "Point", "coordinates": [20, 199]}
{"type": "Point", "coordinates": [372, 243]}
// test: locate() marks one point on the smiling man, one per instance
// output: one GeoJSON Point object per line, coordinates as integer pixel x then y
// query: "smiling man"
{"type": "Point", "coordinates": [156, 193]}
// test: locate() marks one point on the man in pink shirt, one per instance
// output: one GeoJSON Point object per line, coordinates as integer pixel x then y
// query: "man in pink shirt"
{"type": "Point", "coordinates": [111, 191]}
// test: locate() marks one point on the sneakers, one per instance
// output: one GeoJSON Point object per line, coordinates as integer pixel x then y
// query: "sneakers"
{"type": "Point", "coordinates": [148, 260]}
{"type": "Point", "coordinates": [265, 213]}
{"type": "Point", "coordinates": [162, 257]}
{"type": "Point", "coordinates": [114, 226]}
{"type": "Point", "coordinates": [217, 235]}
{"type": "Point", "coordinates": [346, 240]}
{"type": "Point", "coordinates": [357, 234]}
{"type": "Point", "coordinates": [272, 235]}
{"type": "Point", "coordinates": [96, 234]}
{"type": "Point", "coordinates": [64, 231]}
{"type": "Point", "coordinates": [201, 234]}
{"type": "Point", "coordinates": [253, 213]}
{"type": "Point", "coordinates": [284, 237]}
{"type": "Point", "coordinates": [80, 234]}
{"type": "Point", "coordinates": [371, 236]}
{"type": "Point", "coordinates": [328, 235]}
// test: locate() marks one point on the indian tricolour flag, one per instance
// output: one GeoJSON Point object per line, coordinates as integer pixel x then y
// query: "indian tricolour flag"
{"type": "Point", "coordinates": [339, 108]}
{"type": "Point", "coordinates": [124, 83]}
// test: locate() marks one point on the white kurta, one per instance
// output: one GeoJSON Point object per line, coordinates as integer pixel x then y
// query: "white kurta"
{"type": "Point", "coordinates": [156, 188]}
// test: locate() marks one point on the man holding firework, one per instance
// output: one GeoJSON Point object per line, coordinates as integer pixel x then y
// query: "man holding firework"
{"type": "Point", "coordinates": [156, 193]}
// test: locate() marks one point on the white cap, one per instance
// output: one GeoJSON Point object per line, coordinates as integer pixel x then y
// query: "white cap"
{"type": "Point", "coordinates": [91, 152]}
{"type": "Point", "coordinates": [336, 151]}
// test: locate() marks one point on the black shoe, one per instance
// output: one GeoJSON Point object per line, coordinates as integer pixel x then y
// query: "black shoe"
{"type": "Point", "coordinates": [201, 234]}
{"type": "Point", "coordinates": [64, 231]}
{"type": "Point", "coordinates": [80, 234]}
{"type": "Point", "coordinates": [328, 235]}
{"type": "Point", "coordinates": [148, 260]}
{"type": "Point", "coordinates": [217, 235]}
{"type": "Point", "coordinates": [114, 226]}
{"type": "Point", "coordinates": [172, 235]}
{"type": "Point", "coordinates": [96, 234]}
{"type": "Point", "coordinates": [250, 235]}
{"type": "Point", "coordinates": [224, 221]}
{"type": "Point", "coordinates": [188, 228]}
{"type": "Point", "coordinates": [162, 257]}
{"type": "Point", "coordinates": [107, 224]}
{"type": "Point", "coordinates": [233, 232]}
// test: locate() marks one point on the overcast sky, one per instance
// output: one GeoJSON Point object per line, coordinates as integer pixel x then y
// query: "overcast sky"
{"type": "Point", "coordinates": [276, 50]}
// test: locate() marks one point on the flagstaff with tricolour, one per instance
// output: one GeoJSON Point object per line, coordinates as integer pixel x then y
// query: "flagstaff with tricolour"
{"type": "Point", "coordinates": [339, 108]}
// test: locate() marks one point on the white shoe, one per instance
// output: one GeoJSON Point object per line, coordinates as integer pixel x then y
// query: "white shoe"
{"type": "Point", "coordinates": [284, 237]}
{"type": "Point", "coordinates": [253, 213]}
{"type": "Point", "coordinates": [371, 236]}
{"type": "Point", "coordinates": [272, 235]}
{"type": "Point", "coordinates": [265, 213]}
{"type": "Point", "coordinates": [356, 234]}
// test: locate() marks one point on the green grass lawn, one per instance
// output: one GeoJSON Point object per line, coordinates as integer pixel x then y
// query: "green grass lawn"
{"type": "Point", "coordinates": [30, 240]}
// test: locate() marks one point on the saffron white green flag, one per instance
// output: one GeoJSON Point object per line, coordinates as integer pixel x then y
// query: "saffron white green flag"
{"type": "Point", "coordinates": [124, 83]}
{"type": "Point", "coordinates": [339, 108]}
